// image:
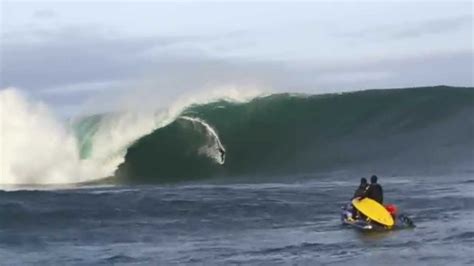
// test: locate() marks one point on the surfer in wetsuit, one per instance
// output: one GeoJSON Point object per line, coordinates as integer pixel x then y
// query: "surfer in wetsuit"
{"type": "Point", "coordinates": [222, 151]}
{"type": "Point", "coordinates": [360, 191]}
{"type": "Point", "coordinates": [374, 191]}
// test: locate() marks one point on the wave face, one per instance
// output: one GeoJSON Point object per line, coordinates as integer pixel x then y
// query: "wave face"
{"type": "Point", "coordinates": [392, 131]}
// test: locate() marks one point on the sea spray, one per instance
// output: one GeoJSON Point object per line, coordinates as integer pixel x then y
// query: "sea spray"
{"type": "Point", "coordinates": [35, 147]}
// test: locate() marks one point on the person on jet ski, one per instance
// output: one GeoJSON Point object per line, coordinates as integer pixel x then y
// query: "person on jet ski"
{"type": "Point", "coordinates": [374, 191]}
{"type": "Point", "coordinates": [360, 191]}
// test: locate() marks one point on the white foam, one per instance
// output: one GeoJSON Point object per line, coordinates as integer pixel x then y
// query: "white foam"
{"type": "Point", "coordinates": [33, 145]}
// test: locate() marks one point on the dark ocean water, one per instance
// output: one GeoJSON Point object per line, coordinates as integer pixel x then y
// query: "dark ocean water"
{"type": "Point", "coordinates": [292, 223]}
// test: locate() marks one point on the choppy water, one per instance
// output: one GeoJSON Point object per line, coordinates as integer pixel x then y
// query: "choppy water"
{"type": "Point", "coordinates": [262, 224]}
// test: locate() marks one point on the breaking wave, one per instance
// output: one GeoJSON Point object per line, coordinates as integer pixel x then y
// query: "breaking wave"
{"type": "Point", "coordinates": [399, 131]}
{"type": "Point", "coordinates": [38, 148]}
{"type": "Point", "coordinates": [232, 135]}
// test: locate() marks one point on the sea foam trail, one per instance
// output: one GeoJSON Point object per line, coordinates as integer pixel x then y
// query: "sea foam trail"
{"type": "Point", "coordinates": [36, 148]}
{"type": "Point", "coordinates": [213, 148]}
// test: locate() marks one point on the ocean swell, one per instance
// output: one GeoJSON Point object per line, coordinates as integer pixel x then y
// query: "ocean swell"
{"type": "Point", "coordinates": [391, 131]}
{"type": "Point", "coordinates": [232, 135]}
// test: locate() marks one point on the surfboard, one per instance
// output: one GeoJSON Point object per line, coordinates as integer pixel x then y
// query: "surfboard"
{"type": "Point", "coordinates": [374, 211]}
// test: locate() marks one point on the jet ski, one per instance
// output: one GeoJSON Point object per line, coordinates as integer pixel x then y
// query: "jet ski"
{"type": "Point", "coordinates": [364, 223]}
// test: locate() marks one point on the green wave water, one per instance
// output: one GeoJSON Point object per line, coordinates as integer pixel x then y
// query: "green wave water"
{"type": "Point", "coordinates": [85, 131]}
{"type": "Point", "coordinates": [391, 131]}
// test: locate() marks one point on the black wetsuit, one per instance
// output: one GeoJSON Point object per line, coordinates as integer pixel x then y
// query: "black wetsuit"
{"type": "Point", "coordinates": [360, 191]}
{"type": "Point", "coordinates": [222, 151]}
{"type": "Point", "coordinates": [375, 192]}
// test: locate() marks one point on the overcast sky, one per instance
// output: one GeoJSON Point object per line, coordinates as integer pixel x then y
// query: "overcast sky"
{"type": "Point", "coordinates": [70, 53]}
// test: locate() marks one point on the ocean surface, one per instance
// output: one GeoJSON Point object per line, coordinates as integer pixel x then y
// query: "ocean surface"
{"type": "Point", "coordinates": [235, 224]}
{"type": "Point", "coordinates": [230, 181]}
